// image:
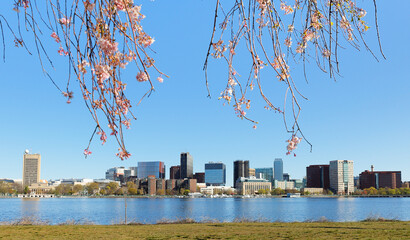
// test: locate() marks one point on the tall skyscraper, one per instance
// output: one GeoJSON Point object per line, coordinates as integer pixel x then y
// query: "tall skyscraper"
{"type": "Point", "coordinates": [215, 174]}
{"type": "Point", "coordinates": [240, 169]}
{"type": "Point", "coordinates": [187, 167]}
{"type": "Point", "coordinates": [156, 169]}
{"type": "Point", "coordinates": [31, 168]}
{"type": "Point", "coordinates": [341, 176]}
{"type": "Point", "coordinates": [278, 169]}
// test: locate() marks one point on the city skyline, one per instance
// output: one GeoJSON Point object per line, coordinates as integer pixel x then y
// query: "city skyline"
{"type": "Point", "coordinates": [231, 171]}
{"type": "Point", "coordinates": [359, 117]}
{"type": "Point", "coordinates": [159, 169]}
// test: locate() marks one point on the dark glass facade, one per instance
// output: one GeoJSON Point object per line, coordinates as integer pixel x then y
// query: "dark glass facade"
{"type": "Point", "coordinates": [156, 169]}
{"type": "Point", "coordinates": [240, 169]}
{"type": "Point", "coordinates": [215, 174]}
{"type": "Point", "coordinates": [175, 172]}
{"type": "Point", "coordinates": [200, 177]}
{"type": "Point", "coordinates": [187, 169]}
{"type": "Point", "coordinates": [317, 176]}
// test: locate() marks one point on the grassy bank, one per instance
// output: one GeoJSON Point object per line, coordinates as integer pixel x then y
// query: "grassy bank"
{"type": "Point", "coordinates": [314, 230]}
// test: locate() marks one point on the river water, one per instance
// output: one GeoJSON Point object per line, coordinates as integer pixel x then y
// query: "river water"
{"type": "Point", "coordinates": [152, 210]}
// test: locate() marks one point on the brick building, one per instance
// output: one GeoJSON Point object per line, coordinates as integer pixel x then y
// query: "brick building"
{"type": "Point", "coordinates": [380, 179]}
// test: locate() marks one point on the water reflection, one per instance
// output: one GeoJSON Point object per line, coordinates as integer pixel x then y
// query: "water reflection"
{"type": "Point", "coordinates": [30, 207]}
{"type": "Point", "coordinates": [151, 210]}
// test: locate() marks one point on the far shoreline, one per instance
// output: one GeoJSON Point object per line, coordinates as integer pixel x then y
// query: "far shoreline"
{"type": "Point", "coordinates": [208, 197]}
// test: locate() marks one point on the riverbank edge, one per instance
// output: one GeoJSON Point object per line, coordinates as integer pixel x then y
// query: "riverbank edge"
{"type": "Point", "coordinates": [238, 230]}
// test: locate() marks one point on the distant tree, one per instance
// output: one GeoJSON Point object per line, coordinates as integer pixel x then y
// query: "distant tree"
{"type": "Point", "coordinates": [160, 192]}
{"type": "Point", "coordinates": [92, 188]}
{"type": "Point", "coordinates": [64, 189]}
{"type": "Point", "coordinates": [405, 191]}
{"type": "Point", "coordinates": [391, 191]}
{"type": "Point", "coordinates": [77, 188]}
{"type": "Point", "coordinates": [26, 190]}
{"type": "Point", "coordinates": [18, 187]}
{"type": "Point", "coordinates": [103, 191]}
{"type": "Point", "coordinates": [111, 188]}
{"type": "Point", "coordinates": [372, 191]}
{"type": "Point", "coordinates": [181, 191]}
{"type": "Point", "coordinates": [132, 191]}
{"type": "Point", "coordinates": [11, 191]}
{"type": "Point", "coordinates": [278, 191]}
{"type": "Point", "coordinates": [186, 192]}
{"type": "Point", "coordinates": [382, 191]}
{"type": "Point", "coordinates": [217, 191]}
{"type": "Point", "coordinates": [141, 191]}
{"type": "Point", "coordinates": [261, 191]}
{"type": "Point", "coordinates": [4, 187]}
{"type": "Point", "coordinates": [131, 185]}
{"type": "Point", "coordinates": [119, 191]}
{"type": "Point", "coordinates": [228, 192]}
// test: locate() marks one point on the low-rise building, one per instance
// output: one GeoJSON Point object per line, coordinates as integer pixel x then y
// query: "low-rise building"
{"type": "Point", "coordinates": [212, 190]}
{"type": "Point", "coordinates": [285, 185]}
{"type": "Point", "coordinates": [380, 179]}
{"type": "Point", "coordinates": [312, 190]}
{"type": "Point", "coordinates": [251, 185]}
{"type": "Point", "coordinates": [40, 188]}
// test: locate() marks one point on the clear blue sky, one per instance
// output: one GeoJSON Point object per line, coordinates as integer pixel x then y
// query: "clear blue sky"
{"type": "Point", "coordinates": [362, 117]}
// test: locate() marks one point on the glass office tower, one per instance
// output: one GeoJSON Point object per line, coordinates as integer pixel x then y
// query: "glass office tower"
{"type": "Point", "coordinates": [187, 166]}
{"type": "Point", "coordinates": [146, 169]}
{"type": "Point", "coordinates": [278, 169]}
{"type": "Point", "coordinates": [215, 174]}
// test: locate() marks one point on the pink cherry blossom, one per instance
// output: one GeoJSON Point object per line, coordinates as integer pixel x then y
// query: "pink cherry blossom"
{"type": "Point", "coordinates": [108, 47]}
{"type": "Point", "coordinates": [142, 77]}
{"type": "Point", "coordinates": [292, 144]}
{"type": "Point", "coordinates": [55, 36]}
{"type": "Point", "coordinates": [123, 154]}
{"type": "Point", "coordinates": [62, 52]}
{"type": "Point", "coordinates": [87, 152]}
{"type": "Point", "coordinates": [287, 8]}
{"type": "Point", "coordinates": [103, 137]}
{"type": "Point", "coordinates": [288, 42]}
{"type": "Point", "coordinates": [64, 21]}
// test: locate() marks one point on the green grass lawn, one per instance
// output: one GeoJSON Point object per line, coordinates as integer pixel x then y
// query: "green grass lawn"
{"type": "Point", "coordinates": [315, 230]}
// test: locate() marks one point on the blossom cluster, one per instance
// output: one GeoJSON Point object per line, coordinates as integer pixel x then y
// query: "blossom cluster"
{"type": "Point", "coordinates": [264, 21]}
{"type": "Point", "coordinates": [114, 38]}
{"type": "Point", "coordinates": [292, 144]}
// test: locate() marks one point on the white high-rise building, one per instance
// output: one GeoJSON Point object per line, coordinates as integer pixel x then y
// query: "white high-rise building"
{"type": "Point", "coordinates": [341, 176]}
